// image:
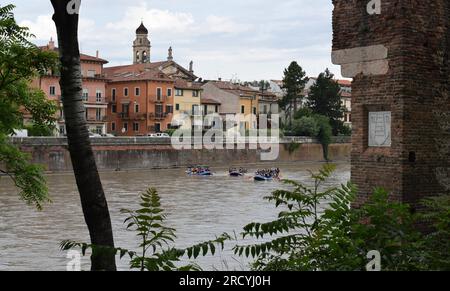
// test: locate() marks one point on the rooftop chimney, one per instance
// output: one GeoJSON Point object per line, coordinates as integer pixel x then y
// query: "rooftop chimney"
{"type": "Point", "coordinates": [96, 55]}
{"type": "Point", "coordinates": [191, 67]}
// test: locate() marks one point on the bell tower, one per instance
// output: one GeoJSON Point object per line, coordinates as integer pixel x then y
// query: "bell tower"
{"type": "Point", "coordinates": [141, 46]}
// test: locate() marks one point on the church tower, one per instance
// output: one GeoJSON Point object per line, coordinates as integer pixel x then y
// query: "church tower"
{"type": "Point", "coordinates": [141, 46]}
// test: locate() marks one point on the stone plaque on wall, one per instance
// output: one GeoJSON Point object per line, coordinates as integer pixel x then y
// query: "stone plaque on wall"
{"type": "Point", "coordinates": [380, 129]}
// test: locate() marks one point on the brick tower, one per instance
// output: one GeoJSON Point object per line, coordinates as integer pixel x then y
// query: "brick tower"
{"type": "Point", "coordinates": [397, 51]}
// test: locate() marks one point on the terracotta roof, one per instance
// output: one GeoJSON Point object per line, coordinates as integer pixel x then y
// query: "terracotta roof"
{"type": "Point", "coordinates": [147, 66]}
{"type": "Point", "coordinates": [210, 101]}
{"type": "Point", "coordinates": [184, 84]}
{"type": "Point", "coordinates": [344, 82]}
{"type": "Point", "coordinates": [83, 57]}
{"type": "Point", "coordinates": [236, 89]}
{"type": "Point", "coordinates": [138, 72]}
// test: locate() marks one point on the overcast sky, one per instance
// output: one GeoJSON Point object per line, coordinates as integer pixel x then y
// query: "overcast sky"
{"type": "Point", "coordinates": [243, 39]}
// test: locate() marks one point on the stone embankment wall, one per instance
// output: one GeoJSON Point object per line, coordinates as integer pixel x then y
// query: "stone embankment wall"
{"type": "Point", "coordinates": [153, 153]}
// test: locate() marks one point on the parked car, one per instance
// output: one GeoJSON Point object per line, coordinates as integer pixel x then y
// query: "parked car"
{"type": "Point", "coordinates": [160, 135]}
{"type": "Point", "coordinates": [108, 135]}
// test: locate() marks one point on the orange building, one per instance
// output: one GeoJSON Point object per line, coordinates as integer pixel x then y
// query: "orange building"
{"type": "Point", "coordinates": [94, 88]}
{"type": "Point", "coordinates": [141, 96]}
{"type": "Point", "coordinates": [140, 100]}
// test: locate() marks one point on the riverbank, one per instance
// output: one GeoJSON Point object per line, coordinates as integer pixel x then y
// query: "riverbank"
{"type": "Point", "coordinates": [119, 154]}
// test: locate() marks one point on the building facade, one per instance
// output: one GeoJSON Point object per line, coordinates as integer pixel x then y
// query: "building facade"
{"type": "Point", "coordinates": [140, 101]}
{"type": "Point", "coordinates": [94, 89]}
{"type": "Point", "coordinates": [187, 104]}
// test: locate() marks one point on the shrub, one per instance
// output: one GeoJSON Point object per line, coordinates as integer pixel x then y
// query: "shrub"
{"type": "Point", "coordinates": [305, 126]}
{"type": "Point", "coordinates": [325, 133]}
{"type": "Point", "coordinates": [318, 230]}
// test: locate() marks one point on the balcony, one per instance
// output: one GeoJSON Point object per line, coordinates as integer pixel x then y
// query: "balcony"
{"type": "Point", "coordinates": [97, 120]}
{"type": "Point", "coordinates": [109, 100]}
{"type": "Point", "coordinates": [158, 116]}
{"type": "Point", "coordinates": [132, 116]}
{"type": "Point", "coordinates": [160, 99]}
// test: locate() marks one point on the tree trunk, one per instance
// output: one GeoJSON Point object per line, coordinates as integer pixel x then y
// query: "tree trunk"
{"type": "Point", "coordinates": [93, 201]}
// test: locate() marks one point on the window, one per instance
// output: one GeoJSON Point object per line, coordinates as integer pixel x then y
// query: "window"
{"type": "Point", "coordinates": [125, 109]}
{"type": "Point", "coordinates": [195, 93]}
{"type": "Point", "coordinates": [169, 109]}
{"type": "Point", "coordinates": [144, 57]}
{"type": "Point", "coordinates": [177, 107]}
{"type": "Point", "coordinates": [137, 91]}
{"type": "Point", "coordinates": [125, 92]}
{"type": "Point", "coordinates": [98, 114]}
{"type": "Point", "coordinates": [217, 109]}
{"type": "Point", "coordinates": [169, 92]}
{"type": "Point", "coordinates": [135, 126]}
{"type": "Point", "coordinates": [158, 93]}
{"type": "Point", "coordinates": [113, 126]}
{"type": "Point", "coordinates": [125, 127]}
{"type": "Point", "coordinates": [254, 110]}
{"type": "Point", "coordinates": [113, 95]}
{"type": "Point", "coordinates": [114, 108]}
{"type": "Point", "coordinates": [243, 109]}
{"type": "Point", "coordinates": [195, 110]}
{"type": "Point", "coordinates": [98, 96]}
{"type": "Point", "coordinates": [136, 108]}
{"type": "Point", "coordinates": [91, 73]}
{"type": "Point", "coordinates": [179, 92]}
{"type": "Point", "coordinates": [85, 95]}
{"type": "Point", "coordinates": [52, 90]}
{"type": "Point", "coordinates": [99, 129]}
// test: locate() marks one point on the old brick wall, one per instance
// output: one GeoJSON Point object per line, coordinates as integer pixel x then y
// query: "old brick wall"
{"type": "Point", "coordinates": [415, 89]}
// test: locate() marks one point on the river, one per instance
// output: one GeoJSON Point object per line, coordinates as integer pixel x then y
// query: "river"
{"type": "Point", "coordinates": [198, 207]}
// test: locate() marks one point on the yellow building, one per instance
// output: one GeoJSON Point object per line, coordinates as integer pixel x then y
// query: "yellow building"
{"type": "Point", "coordinates": [187, 104]}
{"type": "Point", "coordinates": [248, 104]}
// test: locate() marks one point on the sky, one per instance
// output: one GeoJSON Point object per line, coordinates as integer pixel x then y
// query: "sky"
{"type": "Point", "coordinates": [236, 39]}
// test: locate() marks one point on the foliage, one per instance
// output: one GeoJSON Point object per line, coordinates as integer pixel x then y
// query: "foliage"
{"type": "Point", "coordinates": [27, 177]}
{"type": "Point", "coordinates": [325, 133]}
{"type": "Point", "coordinates": [313, 125]}
{"type": "Point", "coordinates": [293, 146]}
{"type": "Point", "coordinates": [303, 112]}
{"type": "Point", "coordinates": [437, 243]}
{"type": "Point", "coordinates": [325, 99]}
{"type": "Point", "coordinates": [318, 230]}
{"type": "Point", "coordinates": [156, 252]}
{"type": "Point", "coordinates": [305, 126]}
{"type": "Point", "coordinates": [20, 61]}
{"type": "Point", "coordinates": [39, 130]}
{"type": "Point", "coordinates": [294, 83]}
{"type": "Point", "coordinates": [345, 130]}
{"type": "Point", "coordinates": [171, 131]}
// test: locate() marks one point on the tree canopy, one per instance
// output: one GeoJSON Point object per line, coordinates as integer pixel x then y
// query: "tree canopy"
{"type": "Point", "coordinates": [325, 99]}
{"type": "Point", "coordinates": [20, 61]}
{"type": "Point", "coordinates": [294, 83]}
